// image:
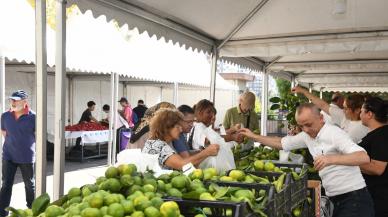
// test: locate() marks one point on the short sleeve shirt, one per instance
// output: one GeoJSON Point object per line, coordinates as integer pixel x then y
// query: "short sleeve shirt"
{"type": "Point", "coordinates": [180, 145]}
{"type": "Point", "coordinates": [376, 145]}
{"type": "Point", "coordinates": [85, 117]}
{"type": "Point", "coordinates": [161, 148]}
{"type": "Point", "coordinates": [355, 129]}
{"type": "Point", "coordinates": [234, 116]}
{"type": "Point", "coordinates": [128, 115]}
{"type": "Point", "coordinates": [331, 140]}
{"type": "Point", "coordinates": [19, 143]}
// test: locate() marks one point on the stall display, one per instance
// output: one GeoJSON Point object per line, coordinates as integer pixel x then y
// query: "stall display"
{"type": "Point", "coordinates": [91, 134]}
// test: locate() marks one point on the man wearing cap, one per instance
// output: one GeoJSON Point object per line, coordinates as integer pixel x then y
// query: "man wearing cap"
{"type": "Point", "coordinates": [127, 111]}
{"type": "Point", "coordinates": [18, 129]}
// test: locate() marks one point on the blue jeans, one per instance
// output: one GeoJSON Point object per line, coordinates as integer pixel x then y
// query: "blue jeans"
{"type": "Point", "coordinates": [357, 203]}
{"type": "Point", "coordinates": [9, 169]}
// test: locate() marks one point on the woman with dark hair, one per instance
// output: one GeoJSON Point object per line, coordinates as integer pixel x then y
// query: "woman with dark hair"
{"type": "Point", "coordinates": [374, 116]}
{"type": "Point", "coordinates": [347, 118]}
{"type": "Point", "coordinates": [204, 114]}
{"type": "Point", "coordinates": [165, 127]}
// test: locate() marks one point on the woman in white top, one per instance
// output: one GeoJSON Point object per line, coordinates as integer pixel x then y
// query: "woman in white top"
{"type": "Point", "coordinates": [347, 118]}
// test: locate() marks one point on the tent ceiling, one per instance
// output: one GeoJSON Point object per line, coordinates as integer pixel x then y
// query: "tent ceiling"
{"type": "Point", "coordinates": [301, 31]}
{"type": "Point", "coordinates": [305, 17]}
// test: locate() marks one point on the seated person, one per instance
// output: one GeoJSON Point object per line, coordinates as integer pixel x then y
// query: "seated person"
{"type": "Point", "coordinates": [164, 128]}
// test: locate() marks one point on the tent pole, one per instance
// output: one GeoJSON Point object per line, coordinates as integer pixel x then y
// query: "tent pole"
{"type": "Point", "coordinates": [161, 94]}
{"type": "Point", "coordinates": [175, 99]}
{"type": "Point", "coordinates": [293, 84]}
{"type": "Point", "coordinates": [41, 96]}
{"type": "Point", "coordinates": [71, 99]}
{"type": "Point", "coordinates": [213, 75]}
{"type": "Point", "coordinates": [112, 118]}
{"type": "Point", "coordinates": [125, 90]}
{"type": "Point", "coordinates": [116, 96]}
{"type": "Point", "coordinates": [2, 105]}
{"type": "Point", "coordinates": [264, 103]}
{"type": "Point", "coordinates": [310, 89]}
{"type": "Point", "coordinates": [60, 76]}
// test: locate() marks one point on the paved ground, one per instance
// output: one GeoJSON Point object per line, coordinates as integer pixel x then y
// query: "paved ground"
{"type": "Point", "coordinates": [77, 174]}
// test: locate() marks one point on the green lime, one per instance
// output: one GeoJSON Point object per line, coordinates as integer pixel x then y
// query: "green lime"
{"type": "Point", "coordinates": [91, 212]}
{"type": "Point", "coordinates": [111, 172]}
{"type": "Point", "coordinates": [151, 212]}
{"type": "Point", "coordinates": [116, 210]}
{"type": "Point", "coordinates": [54, 211]}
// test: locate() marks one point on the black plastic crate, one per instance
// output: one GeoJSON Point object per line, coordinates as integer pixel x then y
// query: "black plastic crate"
{"type": "Point", "coordinates": [271, 209]}
{"type": "Point", "coordinates": [298, 187]}
{"type": "Point", "coordinates": [281, 199]}
{"type": "Point", "coordinates": [190, 208]}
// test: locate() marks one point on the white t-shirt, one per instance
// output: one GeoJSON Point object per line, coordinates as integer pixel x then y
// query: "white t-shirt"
{"type": "Point", "coordinates": [355, 129]}
{"type": "Point", "coordinates": [331, 140]}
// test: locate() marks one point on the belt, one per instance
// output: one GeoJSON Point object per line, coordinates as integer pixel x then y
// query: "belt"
{"type": "Point", "coordinates": [349, 194]}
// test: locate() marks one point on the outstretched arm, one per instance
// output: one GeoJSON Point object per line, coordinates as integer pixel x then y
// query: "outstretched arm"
{"type": "Point", "coordinates": [273, 142]}
{"type": "Point", "coordinates": [175, 161]}
{"type": "Point", "coordinates": [323, 105]}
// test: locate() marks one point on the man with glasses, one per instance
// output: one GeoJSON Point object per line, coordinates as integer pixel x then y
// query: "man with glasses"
{"type": "Point", "coordinates": [18, 129]}
{"type": "Point", "coordinates": [182, 145]}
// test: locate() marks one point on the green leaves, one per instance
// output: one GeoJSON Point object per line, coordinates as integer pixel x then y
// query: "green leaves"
{"type": "Point", "coordinates": [275, 106]}
{"type": "Point", "coordinates": [274, 99]}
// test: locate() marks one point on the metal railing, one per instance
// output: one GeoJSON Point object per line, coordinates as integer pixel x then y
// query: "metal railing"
{"type": "Point", "coordinates": [276, 125]}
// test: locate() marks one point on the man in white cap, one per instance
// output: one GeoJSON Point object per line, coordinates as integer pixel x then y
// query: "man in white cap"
{"type": "Point", "coordinates": [18, 129]}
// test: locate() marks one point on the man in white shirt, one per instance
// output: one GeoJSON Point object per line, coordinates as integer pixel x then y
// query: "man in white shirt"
{"type": "Point", "coordinates": [347, 118]}
{"type": "Point", "coordinates": [336, 157]}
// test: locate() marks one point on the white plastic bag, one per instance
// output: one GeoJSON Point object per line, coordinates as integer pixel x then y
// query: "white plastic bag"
{"type": "Point", "coordinates": [296, 158]}
{"type": "Point", "coordinates": [224, 160]}
{"type": "Point", "coordinates": [141, 160]}
{"type": "Point", "coordinates": [283, 155]}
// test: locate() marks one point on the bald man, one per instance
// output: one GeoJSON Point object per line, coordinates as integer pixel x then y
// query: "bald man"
{"type": "Point", "coordinates": [336, 157]}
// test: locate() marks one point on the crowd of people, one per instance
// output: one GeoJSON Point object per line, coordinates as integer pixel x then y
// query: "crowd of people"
{"type": "Point", "coordinates": [346, 138]}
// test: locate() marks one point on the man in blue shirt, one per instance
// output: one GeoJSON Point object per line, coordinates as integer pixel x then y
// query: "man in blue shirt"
{"type": "Point", "coordinates": [18, 129]}
{"type": "Point", "coordinates": [182, 145]}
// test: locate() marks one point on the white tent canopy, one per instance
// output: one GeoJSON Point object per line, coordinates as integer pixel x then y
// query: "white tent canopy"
{"type": "Point", "coordinates": [94, 45]}
{"type": "Point", "coordinates": [303, 32]}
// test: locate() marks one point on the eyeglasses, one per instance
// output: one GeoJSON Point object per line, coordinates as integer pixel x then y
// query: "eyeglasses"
{"type": "Point", "coordinates": [188, 121]}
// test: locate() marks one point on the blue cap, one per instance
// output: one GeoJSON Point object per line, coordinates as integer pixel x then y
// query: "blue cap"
{"type": "Point", "coordinates": [19, 95]}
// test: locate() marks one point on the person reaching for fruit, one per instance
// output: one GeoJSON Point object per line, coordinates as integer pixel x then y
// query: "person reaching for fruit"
{"type": "Point", "coordinates": [336, 157]}
{"type": "Point", "coordinates": [347, 118]}
{"type": "Point", "coordinates": [164, 128]}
